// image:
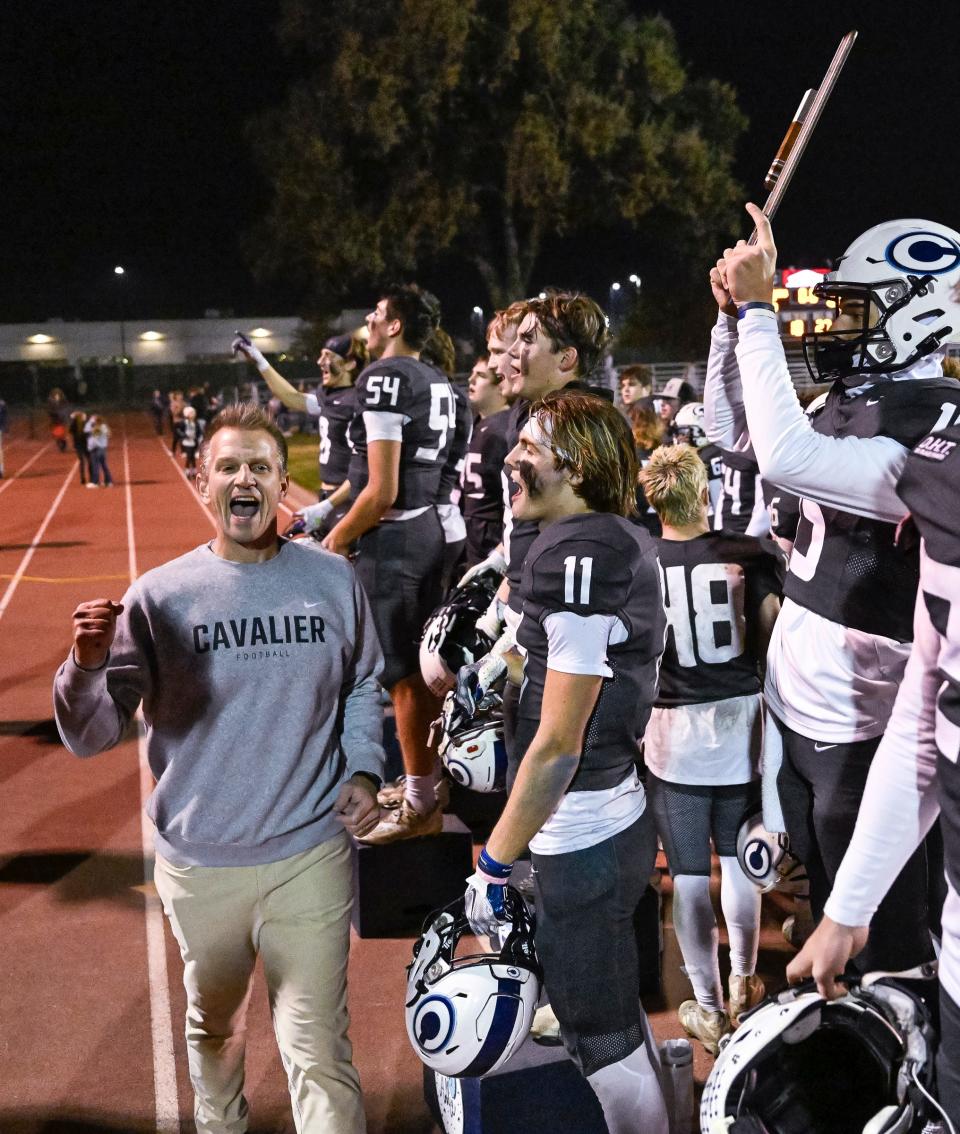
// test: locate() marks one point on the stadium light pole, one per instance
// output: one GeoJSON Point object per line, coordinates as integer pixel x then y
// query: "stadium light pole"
{"type": "Point", "coordinates": [119, 273]}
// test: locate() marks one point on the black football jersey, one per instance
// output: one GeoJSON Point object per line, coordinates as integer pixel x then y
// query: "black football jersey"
{"type": "Point", "coordinates": [738, 494]}
{"type": "Point", "coordinates": [713, 463]}
{"type": "Point", "coordinates": [783, 509]}
{"type": "Point", "coordinates": [646, 515]}
{"type": "Point", "coordinates": [453, 466]}
{"type": "Point", "coordinates": [337, 408]}
{"type": "Point", "coordinates": [712, 590]}
{"type": "Point", "coordinates": [930, 488]}
{"type": "Point", "coordinates": [594, 563]}
{"type": "Point", "coordinates": [848, 568]}
{"type": "Point", "coordinates": [482, 485]}
{"type": "Point", "coordinates": [423, 396]}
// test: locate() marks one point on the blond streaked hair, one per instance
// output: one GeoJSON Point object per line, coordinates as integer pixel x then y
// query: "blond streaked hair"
{"type": "Point", "coordinates": [674, 482]}
{"type": "Point", "coordinates": [591, 438]}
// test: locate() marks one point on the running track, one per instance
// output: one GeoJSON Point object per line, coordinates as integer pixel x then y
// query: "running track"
{"type": "Point", "coordinates": [91, 1005]}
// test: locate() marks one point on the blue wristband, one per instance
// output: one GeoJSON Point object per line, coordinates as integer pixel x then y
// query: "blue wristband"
{"type": "Point", "coordinates": [754, 305]}
{"type": "Point", "coordinates": [492, 868]}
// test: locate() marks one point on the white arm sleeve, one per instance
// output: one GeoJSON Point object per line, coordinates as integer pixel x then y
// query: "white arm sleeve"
{"type": "Point", "coordinates": [312, 405]}
{"type": "Point", "coordinates": [578, 643]}
{"type": "Point", "coordinates": [382, 426]}
{"type": "Point", "coordinates": [856, 474]}
{"type": "Point", "coordinates": [759, 525]}
{"type": "Point", "coordinates": [724, 420]}
{"type": "Point", "coordinates": [900, 801]}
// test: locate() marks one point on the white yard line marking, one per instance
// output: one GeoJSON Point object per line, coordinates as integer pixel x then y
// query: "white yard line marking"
{"type": "Point", "coordinates": [7, 481]}
{"type": "Point", "coordinates": [167, 1107]}
{"type": "Point", "coordinates": [25, 561]}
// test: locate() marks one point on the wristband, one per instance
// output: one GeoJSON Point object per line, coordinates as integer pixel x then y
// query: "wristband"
{"type": "Point", "coordinates": [375, 780]}
{"type": "Point", "coordinates": [496, 873]}
{"type": "Point", "coordinates": [754, 305]}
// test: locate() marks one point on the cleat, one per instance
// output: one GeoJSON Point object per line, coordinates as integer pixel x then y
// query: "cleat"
{"type": "Point", "coordinates": [699, 1023]}
{"type": "Point", "coordinates": [404, 822]}
{"type": "Point", "coordinates": [746, 992]}
{"type": "Point", "coordinates": [390, 795]}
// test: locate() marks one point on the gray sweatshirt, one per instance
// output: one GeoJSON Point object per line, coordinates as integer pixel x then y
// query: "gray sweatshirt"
{"type": "Point", "coordinates": [260, 696]}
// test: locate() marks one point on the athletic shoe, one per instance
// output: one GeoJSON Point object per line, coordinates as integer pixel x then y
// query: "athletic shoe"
{"type": "Point", "coordinates": [708, 1027]}
{"type": "Point", "coordinates": [797, 928]}
{"type": "Point", "coordinates": [90, 484]}
{"type": "Point", "coordinates": [391, 795]}
{"type": "Point", "coordinates": [545, 1028]}
{"type": "Point", "coordinates": [404, 822]}
{"type": "Point", "coordinates": [746, 992]}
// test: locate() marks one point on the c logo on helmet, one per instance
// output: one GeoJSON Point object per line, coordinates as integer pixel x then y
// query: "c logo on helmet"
{"type": "Point", "coordinates": [433, 1024]}
{"type": "Point", "coordinates": [927, 252]}
{"type": "Point", "coordinates": [756, 858]}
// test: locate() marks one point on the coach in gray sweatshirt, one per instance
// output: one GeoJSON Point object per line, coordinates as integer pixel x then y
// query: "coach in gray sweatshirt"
{"type": "Point", "coordinates": [256, 663]}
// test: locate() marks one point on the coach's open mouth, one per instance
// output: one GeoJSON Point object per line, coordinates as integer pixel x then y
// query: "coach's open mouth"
{"type": "Point", "coordinates": [244, 506]}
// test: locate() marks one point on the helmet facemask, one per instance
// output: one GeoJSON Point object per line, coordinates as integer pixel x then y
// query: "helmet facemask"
{"type": "Point", "coordinates": [895, 328]}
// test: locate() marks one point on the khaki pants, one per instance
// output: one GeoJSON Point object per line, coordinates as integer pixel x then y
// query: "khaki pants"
{"type": "Point", "coordinates": [296, 915]}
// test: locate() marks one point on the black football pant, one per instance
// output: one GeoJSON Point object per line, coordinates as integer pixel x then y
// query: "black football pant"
{"type": "Point", "coordinates": [821, 786]}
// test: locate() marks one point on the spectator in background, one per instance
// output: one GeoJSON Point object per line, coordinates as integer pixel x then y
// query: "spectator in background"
{"type": "Point", "coordinates": [158, 411]}
{"type": "Point", "coordinates": [98, 438]}
{"type": "Point", "coordinates": [191, 438]}
{"type": "Point", "coordinates": [636, 386]}
{"type": "Point", "coordinates": [648, 434]}
{"type": "Point", "coordinates": [78, 435]}
{"type": "Point", "coordinates": [198, 399]}
{"type": "Point", "coordinates": [675, 393]}
{"type": "Point", "coordinates": [176, 416]}
{"type": "Point", "coordinates": [58, 412]}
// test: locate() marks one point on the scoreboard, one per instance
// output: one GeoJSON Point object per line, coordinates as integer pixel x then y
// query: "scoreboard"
{"type": "Point", "coordinates": [798, 309]}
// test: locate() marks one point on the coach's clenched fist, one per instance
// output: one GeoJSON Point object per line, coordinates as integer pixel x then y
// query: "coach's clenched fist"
{"type": "Point", "coordinates": [94, 626]}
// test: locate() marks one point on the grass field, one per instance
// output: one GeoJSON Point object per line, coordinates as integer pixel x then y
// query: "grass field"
{"type": "Point", "coordinates": [303, 460]}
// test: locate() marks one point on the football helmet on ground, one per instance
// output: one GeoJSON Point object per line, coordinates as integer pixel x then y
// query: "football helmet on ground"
{"type": "Point", "coordinates": [862, 1064]}
{"type": "Point", "coordinates": [901, 280]}
{"type": "Point", "coordinates": [466, 1016]}
{"type": "Point", "coordinates": [451, 638]}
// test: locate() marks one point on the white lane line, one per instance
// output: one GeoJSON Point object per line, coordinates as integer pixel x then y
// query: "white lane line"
{"type": "Point", "coordinates": [166, 1102]}
{"type": "Point", "coordinates": [193, 492]}
{"type": "Point", "coordinates": [7, 481]}
{"type": "Point", "coordinates": [34, 543]}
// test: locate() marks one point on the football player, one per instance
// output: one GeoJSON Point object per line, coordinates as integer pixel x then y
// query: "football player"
{"type": "Point", "coordinates": [482, 495]}
{"type": "Point", "coordinates": [591, 630]}
{"type": "Point", "coordinates": [841, 643]}
{"type": "Point", "coordinates": [915, 770]}
{"type": "Point", "coordinates": [740, 507]}
{"type": "Point", "coordinates": [721, 594]}
{"type": "Point", "coordinates": [340, 361]}
{"type": "Point", "coordinates": [405, 418]}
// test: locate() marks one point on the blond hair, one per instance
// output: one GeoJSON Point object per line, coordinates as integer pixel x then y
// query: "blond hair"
{"type": "Point", "coordinates": [674, 482]}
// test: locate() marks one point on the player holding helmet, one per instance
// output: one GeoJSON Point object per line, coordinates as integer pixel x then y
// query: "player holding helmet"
{"type": "Point", "coordinates": [591, 630]}
{"type": "Point", "coordinates": [841, 643]}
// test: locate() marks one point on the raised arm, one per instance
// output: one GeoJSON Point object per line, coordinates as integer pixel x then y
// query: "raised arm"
{"type": "Point", "coordinates": [289, 395]}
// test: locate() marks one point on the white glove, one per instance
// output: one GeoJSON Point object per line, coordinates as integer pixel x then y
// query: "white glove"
{"type": "Point", "coordinates": [314, 515]}
{"type": "Point", "coordinates": [474, 682]}
{"type": "Point", "coordinates": [495, 563]}
{"type": "Point", "coordinates": [485, 897]}
{"type": "Point", "coordinates": [242, 345]}
{"type": "Point", "coordinates": [490, 622]}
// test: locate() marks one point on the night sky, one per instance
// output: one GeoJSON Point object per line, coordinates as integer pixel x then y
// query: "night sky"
{"type": "Point", "coordinates": [123, 141]}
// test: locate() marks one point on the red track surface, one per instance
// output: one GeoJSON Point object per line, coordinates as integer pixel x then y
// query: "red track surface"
{"type": "Point", "coordinates": [91, 1030]}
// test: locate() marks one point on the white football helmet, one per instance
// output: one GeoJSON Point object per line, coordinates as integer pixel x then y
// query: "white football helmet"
{"type": "Point", "coordinates": [451, 638]}
{"type": "Point", "coordinates": [801, 1063]}
{"type": "Point", "coordinates": [906, 273]}
{"type": "Point", "coordinates": [766, 860]}
{"type": "Point", "coordinates": [688, 425]}
{"type": "Point", "coordinates": [474, 752]}
{"type": "Point", "coordinates": [466, 1016]}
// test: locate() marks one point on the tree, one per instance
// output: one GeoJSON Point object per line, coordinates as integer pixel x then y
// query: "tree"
{"type": "Point", "coordinates": [484, 129]}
